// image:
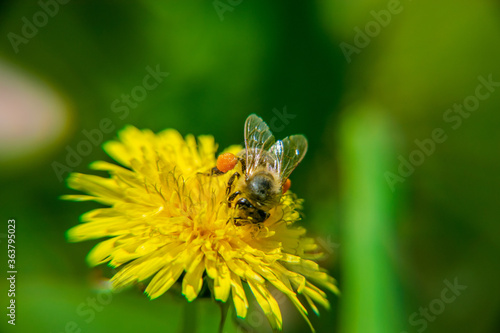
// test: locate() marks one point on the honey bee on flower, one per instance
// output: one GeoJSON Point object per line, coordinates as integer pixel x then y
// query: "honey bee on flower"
{"type": "Point", "coordinates": [166, 223]}
{"type": "Point", "coordinates": [266, 165]}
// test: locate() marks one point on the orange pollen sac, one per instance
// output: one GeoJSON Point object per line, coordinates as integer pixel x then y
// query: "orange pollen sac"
{"type": "Point", "coordinates": [287, 185]}
{"type": "Point", "coordinates": [226, 162]}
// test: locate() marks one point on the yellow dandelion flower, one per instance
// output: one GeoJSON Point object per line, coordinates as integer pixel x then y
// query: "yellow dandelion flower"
{"type": "Point", "coordinates": [166, 219]}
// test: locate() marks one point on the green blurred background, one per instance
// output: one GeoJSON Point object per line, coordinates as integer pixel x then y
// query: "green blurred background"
{"type": "Point", "coordinates": [395, 241]}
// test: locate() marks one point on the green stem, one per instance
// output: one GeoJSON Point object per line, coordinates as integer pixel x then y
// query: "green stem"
{"type": "Point", "coordinates": [189, 318]}
{"type": "Point", "coordinates": [224, 307]}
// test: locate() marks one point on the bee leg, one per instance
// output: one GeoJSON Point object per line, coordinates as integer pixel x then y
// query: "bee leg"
{"type": "Point", "coordinates": [216, 172]}
{"type": "Point", "coordinates": [213, 172]}
{"type": "Point", "coordinates": [231, 181]}
{"type": "Point", "coordinates": [243, 163]}
{"type": "Point", "coordinates": [256, 215]}
{"type": "Point", "coordinates": [237, 222]}
{"type": "Point", "coordinates": [262, 215]}
{"type": "Point", "coordinates": [232, 197]}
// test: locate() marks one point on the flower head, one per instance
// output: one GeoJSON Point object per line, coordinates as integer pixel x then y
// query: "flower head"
{"type": "Point", "coordinates": [166, 218]}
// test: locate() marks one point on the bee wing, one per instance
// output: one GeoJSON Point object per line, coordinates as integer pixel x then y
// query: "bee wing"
{"type": "Point", "coordinates": [258, 140]}
{"type": "Point", "coordinates": [287, 154]}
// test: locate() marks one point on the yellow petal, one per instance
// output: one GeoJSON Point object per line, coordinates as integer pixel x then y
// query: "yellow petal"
{"type": "Point", "coordinates": [105, 190]}
{"type": "Point", "coordinates": [268, 304]}
{"type": "Point", "coordinates": [163, 280]}
{"type": "Point", "coordinates": [311, 304]}
{"type": "Point", "coordinates": [77, 197]}
{"type": "Point", "coordinates": [101, 252]}
{"type": "Point", "coordinates": [222, 283]}
{"type": "Point", "coordinates": [317, 295]}
{"type": "Point", "coordinates": [211, 268]}
{"type": "Point", "coordinates": [239, 296]}
{"type": "Point", "coordinates": [193, 281]}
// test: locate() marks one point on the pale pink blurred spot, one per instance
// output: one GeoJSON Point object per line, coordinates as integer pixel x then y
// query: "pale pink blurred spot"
{"type": "Point", "coordinates": [32, 116]}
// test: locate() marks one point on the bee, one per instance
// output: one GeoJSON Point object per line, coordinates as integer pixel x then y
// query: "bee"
{"type": "Point", "coordinates": [266, 165]}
